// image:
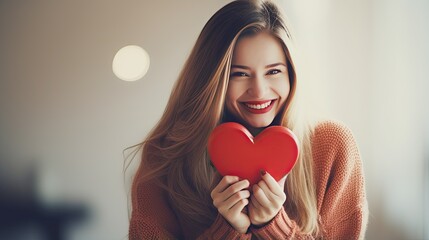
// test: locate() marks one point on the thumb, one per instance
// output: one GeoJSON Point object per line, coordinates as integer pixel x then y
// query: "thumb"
{"type": "Point", "coordinates": [282, 182]}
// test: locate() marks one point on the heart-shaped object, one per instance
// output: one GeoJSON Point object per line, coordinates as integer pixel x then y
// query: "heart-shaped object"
{"type": "Point", "coordinates": [234, 151]}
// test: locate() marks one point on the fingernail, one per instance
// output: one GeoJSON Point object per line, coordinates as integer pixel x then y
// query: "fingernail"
{"type": "Point", "coordinates": [263, 172]}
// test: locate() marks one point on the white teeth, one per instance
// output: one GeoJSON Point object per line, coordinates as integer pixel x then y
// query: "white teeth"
{"type": "Point", "coordinates": [259, 106]}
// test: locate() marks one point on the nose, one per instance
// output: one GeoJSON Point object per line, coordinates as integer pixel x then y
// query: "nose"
{"type": "Point", "coordinates": [258, 87]}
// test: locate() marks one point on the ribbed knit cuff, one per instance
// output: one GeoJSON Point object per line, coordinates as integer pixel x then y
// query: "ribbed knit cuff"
{"type": "Point", "coordinates": [280, 227]}
{"type": "Point", "coordinates": [221, 229]}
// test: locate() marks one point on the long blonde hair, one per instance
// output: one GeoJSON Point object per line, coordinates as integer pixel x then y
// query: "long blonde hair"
{"type": "Point", "coordinates": [174, 154]}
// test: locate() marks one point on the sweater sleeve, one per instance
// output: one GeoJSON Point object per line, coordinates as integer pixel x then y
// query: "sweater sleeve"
{"type": "Point", "coordinates": [153, 218]}
{"type": "Point", "coordinates": [342, 202]}
{"type": "Point", "coordinates": [281, 227]}
{"type": "Point", "coordinates": [221, 229]}
{"type": "Point", "coordinates": [341, 198]}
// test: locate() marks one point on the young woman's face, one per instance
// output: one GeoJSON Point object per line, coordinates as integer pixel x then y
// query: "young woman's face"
{"type": "Point", "coordinates": [259, 80]}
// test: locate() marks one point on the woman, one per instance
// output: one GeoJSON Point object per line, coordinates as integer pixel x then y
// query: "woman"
{"type": "Point", "coordinates": [242, 69]}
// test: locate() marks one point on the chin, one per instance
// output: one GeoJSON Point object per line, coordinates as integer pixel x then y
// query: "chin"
{"type": "Point", "coordinates": [260, 124]}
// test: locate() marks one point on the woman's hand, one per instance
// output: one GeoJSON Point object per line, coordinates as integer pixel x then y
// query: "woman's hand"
{"type": "Point", "coordinates": [230, 197]}
{"type": "Point", "coordinates": [267, 199]}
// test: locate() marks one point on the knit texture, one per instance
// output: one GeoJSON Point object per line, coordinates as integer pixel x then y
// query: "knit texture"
{"type": "Point", "coordinates": [340, 189]}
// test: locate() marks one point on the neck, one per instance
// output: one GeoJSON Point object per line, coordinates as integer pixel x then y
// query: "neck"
{"type": "Point", "coordinates": [254, 131]}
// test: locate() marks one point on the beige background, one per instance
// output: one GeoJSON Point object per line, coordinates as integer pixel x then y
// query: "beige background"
{"type": "Point", "coordinates": [63, 111]}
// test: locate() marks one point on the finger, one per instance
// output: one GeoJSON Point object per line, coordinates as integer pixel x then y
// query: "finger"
{"type": "Point", "coordinates": [238, 207]}
{"type": "Point", "coordinates": [230, 202]}
{"type": "Point", "coordinates": [245, 209]}
{"type": "Point", "coordinates": [234, 188]}
{"type": "Point", "coordinates": [272, 183]}
{"type": "Point", "coordinates": [260, 196]}
{"type": "Point", "coordinates": [282, 182]}
{"type": "Point", "coordinates": [267, 191]}
{"type": "Point", "coordinates": [224, 183]}
{"type": "Point", "coordinates": [254, 203]}
{"type": "Point", "coordinates": [219, 199]}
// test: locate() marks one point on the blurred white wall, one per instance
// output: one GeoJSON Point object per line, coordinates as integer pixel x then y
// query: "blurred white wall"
{"type": "Point", "coordinates": [366, 64]}
{"type": "Point", "coordinates": [62, 107]}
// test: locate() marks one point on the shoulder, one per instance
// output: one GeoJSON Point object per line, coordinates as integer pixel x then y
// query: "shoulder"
{"type": "Point", "coordinates": [333, 143]}
{"type": "Point", "coordinates": [152, 210]}
{"type": "Point", "coordinates": [147, 191]}
{"type": "Point", "coordinates": [332, 134]}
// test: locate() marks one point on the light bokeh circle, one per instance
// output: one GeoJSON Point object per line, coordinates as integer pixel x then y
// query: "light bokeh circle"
{"type": "Point", "coordinates": [131, 63]}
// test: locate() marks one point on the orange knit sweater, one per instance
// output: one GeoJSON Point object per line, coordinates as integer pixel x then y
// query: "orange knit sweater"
{"type": "Point", "coordinates": [341, 199]}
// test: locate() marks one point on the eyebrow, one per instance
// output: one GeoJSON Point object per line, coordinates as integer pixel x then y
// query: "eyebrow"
{"type": "Point", "coordinates": [268, 66]}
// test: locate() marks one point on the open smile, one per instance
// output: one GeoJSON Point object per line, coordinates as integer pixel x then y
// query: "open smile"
{"type": "Point", "coordinates": [259, 107]}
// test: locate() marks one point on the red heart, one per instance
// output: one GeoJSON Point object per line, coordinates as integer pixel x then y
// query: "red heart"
{"type": "Point", "coordinates": [234, 151]}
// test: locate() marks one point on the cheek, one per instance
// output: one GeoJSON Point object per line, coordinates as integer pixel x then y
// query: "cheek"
{"type": "Point", "coordinates": [229, 99]}
{"type": "Point", "coordinates": [282, 88]}
{"type": "Point", "coordinates": [232, 94]}
{"type": "Point", "coordinates": [286, 90]}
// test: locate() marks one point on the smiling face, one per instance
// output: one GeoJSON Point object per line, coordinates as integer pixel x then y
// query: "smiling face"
{"type": "Point", "coordinates": [259, 81]}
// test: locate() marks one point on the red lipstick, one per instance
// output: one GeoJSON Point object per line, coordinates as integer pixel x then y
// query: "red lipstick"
{"type": "Point", "coordinates": [259, 107]}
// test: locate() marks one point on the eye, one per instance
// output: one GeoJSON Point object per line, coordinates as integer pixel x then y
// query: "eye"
{"type": "Point", "coordinates": [274, 71]}
{"type": "Point", "coordinates": [239, 74]}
